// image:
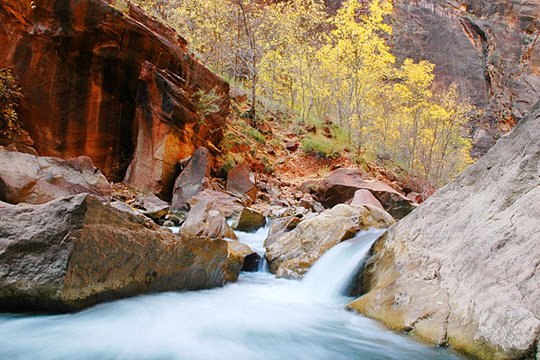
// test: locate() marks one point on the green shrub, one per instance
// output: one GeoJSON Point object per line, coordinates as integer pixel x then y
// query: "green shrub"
{"type": "Point", "coordinates": [255, 134]}
{"type": "Point", "coordinates": [207, 103]}
{"type": "Point", "coordinates": [321, 146]}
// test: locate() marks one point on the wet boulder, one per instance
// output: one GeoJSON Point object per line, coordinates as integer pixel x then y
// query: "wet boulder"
{"type": "Point", "coordinates": [36, 180]}
{"type": "Point", "coordinates": [341, 186]}
{"type": "Point", "coordinates": [75, 252]}
{"type": "Point", "coordinates": [292, 254]}
{"type": "Point", "coordinates": [241, 258]}
{"type": "Point", "coordinates": [279, 227]}
{"type": "Point", "coordinates": [191, 180]}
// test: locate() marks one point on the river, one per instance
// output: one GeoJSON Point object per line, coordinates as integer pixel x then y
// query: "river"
{"type": "Point", "coordinates": [260, 317]}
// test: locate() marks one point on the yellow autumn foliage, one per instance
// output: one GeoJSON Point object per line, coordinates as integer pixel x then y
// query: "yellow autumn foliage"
{"type": "Point", "coordinates": [333, 66]}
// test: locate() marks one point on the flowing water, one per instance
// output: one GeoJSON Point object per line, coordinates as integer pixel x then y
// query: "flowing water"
{"type": "Point", "coordinates": [258, 318]}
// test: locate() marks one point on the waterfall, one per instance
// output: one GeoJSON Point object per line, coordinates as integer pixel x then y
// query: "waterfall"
{"type": "Point", "coordinates": [331, 276]}
{"type": "Point", "coordinates": [255, 240]}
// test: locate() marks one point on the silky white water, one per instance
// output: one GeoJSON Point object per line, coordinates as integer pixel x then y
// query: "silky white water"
{"type": "Point", "coordinates": [258, 318]}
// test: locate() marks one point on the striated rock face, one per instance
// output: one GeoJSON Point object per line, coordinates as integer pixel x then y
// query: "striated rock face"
{"type": "Point", "coordinates": [74, 252]}
{"type": "Point", "coordinates": [491, 49]}
{"type": "Point", "coordinates": [114, 85]}
{"type": "Point", "coordinates": [464, 268]}
{"type": "Point", "coordinates": [37, 180]}
{"type": "Point", "coordinates": [292, 254]}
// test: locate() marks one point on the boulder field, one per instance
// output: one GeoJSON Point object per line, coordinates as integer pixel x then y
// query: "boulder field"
{"type": "Point", "coordinates": [111, 83]}
{"type": "Point", "coordinates": [464, 268]}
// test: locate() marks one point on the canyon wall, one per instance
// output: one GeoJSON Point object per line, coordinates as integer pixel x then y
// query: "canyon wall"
{"type": "Point", "coordinates": [103, 79]}
{"type": "Point", "coordinates": [491, 49]}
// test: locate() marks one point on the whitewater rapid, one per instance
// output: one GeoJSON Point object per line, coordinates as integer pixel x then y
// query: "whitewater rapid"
{"type": "Point", "coordinates": [260, 317]}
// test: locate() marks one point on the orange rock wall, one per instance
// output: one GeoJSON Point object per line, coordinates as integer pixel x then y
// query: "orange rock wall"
{"type": "Point", "coordinates": [114, 85]}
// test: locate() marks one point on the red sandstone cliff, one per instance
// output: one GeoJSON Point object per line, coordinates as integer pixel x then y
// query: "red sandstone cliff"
{"type": "Point", "coordinates": [114, 85]}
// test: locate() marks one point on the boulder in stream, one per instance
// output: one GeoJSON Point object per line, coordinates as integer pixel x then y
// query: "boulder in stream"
{"type": "Point", "coordinates": [292, 254]}
{"type": "Point", "coordinates": [204, 221]}
{"type": "Point", "coordinates": [75, 252]}
{"type": "Point", "coordinates": [464, 268]}
{"type": "Point", "coordinates": [249, 220]}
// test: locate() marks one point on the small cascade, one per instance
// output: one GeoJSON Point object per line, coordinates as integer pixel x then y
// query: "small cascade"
{"type": "Point", "coordinates": [255, 240]}
{"type": "Point", "coordinates": [331, 276]}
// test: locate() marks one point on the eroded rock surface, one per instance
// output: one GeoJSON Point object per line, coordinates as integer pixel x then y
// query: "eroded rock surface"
{"type": "Point", "coordinates": [112, 84]}
{"type": "Point", "coordinates": [74, 252]}
{"type": "Point", "coordinates": [463, 269]}
{"type": "Point", "coordinates": [292, 254]}
{"type": "Point", "coordinates": [491, 49]}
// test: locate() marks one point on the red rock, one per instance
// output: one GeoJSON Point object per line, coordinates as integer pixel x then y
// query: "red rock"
{"type": "Point", "coordinates": [192, 179]}
{"type": "Point", "coordinates": [241, 181]}
{"type": "Point", "coordinates": [112, 85]}
{"type": "Point", "coordinates": [342, 184]}
{"type": "Point", "coordinates": [37, 180]}
{"type": "Point", "coordinates": [365, 197]}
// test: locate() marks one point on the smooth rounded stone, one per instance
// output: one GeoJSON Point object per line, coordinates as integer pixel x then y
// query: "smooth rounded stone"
{"type": "Point", "coordinates": [122, 206]}
{"type": "Point", "coordinates": [74, 252]}
{"type": "Point", "coordinates": [204, 221]}
{"type": "Point", "coordinates": [249, 220]}
{"type": "Point", "coordinates": [463, 269]}
{"type": "Point", "coordinates": [292, 254]}
{"type": "Point", "coordinates": [169, 223]}
{"type": "Point", "coordinates": [192, 179]}
{"type": "Point", "coordinates": [31, 179]}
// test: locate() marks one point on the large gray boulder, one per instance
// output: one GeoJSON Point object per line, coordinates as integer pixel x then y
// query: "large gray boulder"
{"type": "Point", "coordinates": [292, 254]}
{"type": "Point", "coordinates": [75, 252]}
{"type": "Point", "coordinates": [36, 180]}
{"type": "Point", "coordinates": [464, 268]}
